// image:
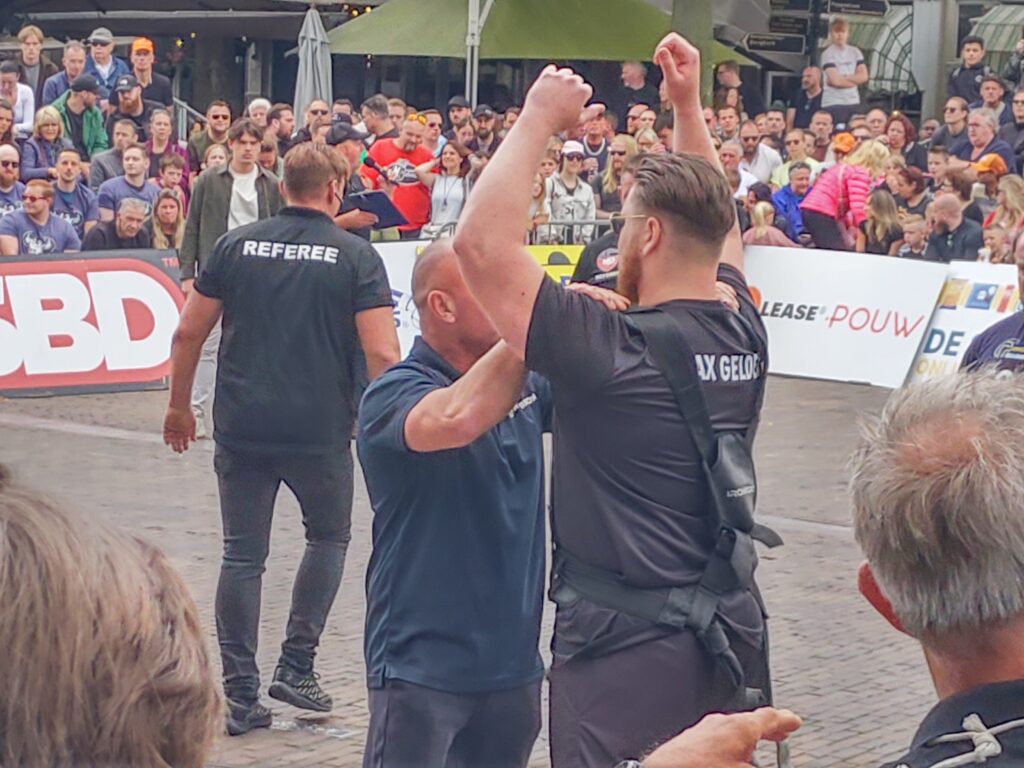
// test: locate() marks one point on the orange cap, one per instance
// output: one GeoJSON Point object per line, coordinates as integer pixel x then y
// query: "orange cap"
{"type": "Point", "coordinates": [844, 142]}
{"type": "Point", "coordinates": [142, 44]}
{"type": "Point", "coordinates": [991, 163]}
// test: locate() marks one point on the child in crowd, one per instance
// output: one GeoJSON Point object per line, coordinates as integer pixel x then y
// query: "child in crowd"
{"type": "Point", "coordinates": [763, 230]}
{"type": "Point", "coordinates": [998, 243]}
{"type": "Point", "coordinates": [172, 174]}
{"type": "Point", "coordinates": [938, 162]}
{"type": "Point", "coordinates": [216, 155]}
{"type": "Point", "coordinates": [915, 237]}
{"type": "Point", "coordinates": [881, 232]}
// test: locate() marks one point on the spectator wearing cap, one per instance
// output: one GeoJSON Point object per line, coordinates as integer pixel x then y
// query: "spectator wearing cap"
{"type": "Point", "coordinates": [982, 140]}
{"type": "Point", "coordinates": [101, 62]}
{"type": "Point", "coordinates": [35, 68]}
{"type": "Point", "coordinates": [129, 103]}
{"type": "Point", "coordinates": [155, 87]}
{"type": "Point", "coordinates": [485, 126]}
{"type": "Point", "coordinates": [19, 96]}
{"type": "Point", "coordinates": [572, 199]}
{"type": "Point", "coordinates": [73, 61]}
{"type": "Point", "coordinates": [349, 142]}
{"type": "Point", "coordinates": [993, 96]}
{"type": "Point", "coordinates": [82, 119]}
{"type": "Point", "coordinates": [458, 110]}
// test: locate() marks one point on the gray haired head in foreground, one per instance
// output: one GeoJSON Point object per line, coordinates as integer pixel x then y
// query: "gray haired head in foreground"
{"type": "Point", "coordinates": [938, 502]}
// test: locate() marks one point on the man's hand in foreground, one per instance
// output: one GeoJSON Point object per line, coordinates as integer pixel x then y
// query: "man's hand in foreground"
{"type": "Point", "coordinates": [724, 741]}
{"type": "Point", "coordinates": [559, 96]}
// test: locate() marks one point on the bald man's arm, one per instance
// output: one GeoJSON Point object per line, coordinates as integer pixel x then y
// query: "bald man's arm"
{"type": "Point", "coordinates": [457, 415]}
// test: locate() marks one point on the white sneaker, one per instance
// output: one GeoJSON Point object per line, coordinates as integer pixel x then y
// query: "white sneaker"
{"type": "Point", "coordinates": [201, 433]}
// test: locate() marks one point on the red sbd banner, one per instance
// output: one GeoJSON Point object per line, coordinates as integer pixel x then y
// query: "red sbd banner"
{"type": "Point", "coordinates": [87, 322]}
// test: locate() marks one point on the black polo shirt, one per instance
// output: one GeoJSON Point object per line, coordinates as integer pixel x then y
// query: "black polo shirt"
{"type": "Point", "coordinates": [291, 286]}
{"type": "Point", "coordinates": [804, 108]}
{"type": "Point", "coordinates": [994, 704]}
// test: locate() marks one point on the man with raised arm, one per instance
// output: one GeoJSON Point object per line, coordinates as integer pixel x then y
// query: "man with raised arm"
{"type": "Point", "coordinates": [631, 506]}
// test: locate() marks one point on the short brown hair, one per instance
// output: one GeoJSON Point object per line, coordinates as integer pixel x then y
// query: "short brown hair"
{"type": "Point", "coordinates": [41, 187]}
{"type": "Point", "coordinates": [135, 145]}
{"type": "Point", "coordinates": [245, 126]}
{"type": "Point", "coordinates": [169, 160]}
{"type": "Point", "coordinates": [308, 168]}
{"type": "Point", "coordinates": [691, 192]}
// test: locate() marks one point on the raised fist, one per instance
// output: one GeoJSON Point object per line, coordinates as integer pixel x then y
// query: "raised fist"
{"type": "Point", "coordinates": [560, 95]}
{"type": "Point", "coordinates": [680, 68]}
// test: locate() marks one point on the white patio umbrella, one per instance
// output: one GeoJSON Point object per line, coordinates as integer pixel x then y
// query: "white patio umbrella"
{"type": "Point", "coordinates": [314, 77]}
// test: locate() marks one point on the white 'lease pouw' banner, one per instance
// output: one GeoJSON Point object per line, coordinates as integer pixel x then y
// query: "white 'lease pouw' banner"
{"type": "Point", "coordinates": [842, 316]}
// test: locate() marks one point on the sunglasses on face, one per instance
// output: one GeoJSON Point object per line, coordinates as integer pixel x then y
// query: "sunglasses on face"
{"type": "Point", "coordinates": [318, 112]}
{"type": "Point", "coordinates": [433, 125]}
{"type": "Point", "coordinates": [14, 164]}
{"type": "Point", "coordinates": [793, 142]}
{"type": "Point", "coordinates": [573, 157]}
{"type": "Point", "coordinates": [222, 117]}
{"type": "Point", "coordinates": [617, 152]}
{"type": "Point", "coordinates": [746, 139]}
{"type": "Point", "coordinates": [33, 198]}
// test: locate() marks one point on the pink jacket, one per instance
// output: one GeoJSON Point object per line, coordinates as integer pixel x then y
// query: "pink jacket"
{"type": "Point", "coordinates": [849, 183]}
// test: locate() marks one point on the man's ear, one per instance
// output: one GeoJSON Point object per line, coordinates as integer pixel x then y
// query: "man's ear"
{"type": "Point", "coordinates": [440, 304]}
{"type": "Point", "coordinates": [869, 588]}
{"type": "Point", "coordinates": [654, 231]}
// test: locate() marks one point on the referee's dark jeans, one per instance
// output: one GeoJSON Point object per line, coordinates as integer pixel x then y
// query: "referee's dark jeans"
{"type": "Point", "coordinates": [248, 485]}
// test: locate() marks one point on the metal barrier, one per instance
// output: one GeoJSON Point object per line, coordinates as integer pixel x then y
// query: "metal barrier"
{"type": "Point", "coordinates": [186, 117]}
{"type": "Point", "coordinates": [561, 231]}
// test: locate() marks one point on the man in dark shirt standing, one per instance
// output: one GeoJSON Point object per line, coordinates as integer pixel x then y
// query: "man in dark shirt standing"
{"type": "Point", "coordinates": [807, 101]}
{"type": "Point", "coordinates": [348, 142]}
{"type": "Point", "coordinates": [297, 294]}
{"type": "Point", "coordinates": [155, 87]}
{"type": "Point", "coordinates": [630, 500]}
{"type": "Point", "coordinates": [128, 104]}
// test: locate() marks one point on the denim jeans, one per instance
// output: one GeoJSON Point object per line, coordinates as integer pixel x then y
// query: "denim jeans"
{"type": "Point", "coordinates": [248, 485]}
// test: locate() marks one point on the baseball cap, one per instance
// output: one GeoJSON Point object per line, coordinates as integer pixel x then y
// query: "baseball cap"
{"type": "Point", "coordinates": [142, 44]}
{"type": "Point", "coordinates": [84, 84]}
{"type": "Point", "coordinates": [125, 83]}
{"type": "Point", "coordinates": [991, 163]}
{"type": "Point", "coordinates": [341, 117]}
{"type": "Point", "coordinates": [101, 35]}
{"type": "Point", "coordinates": [572, 148]}
{"type": "Point", "coordinates": [844, 142]}
{"type": "Point", "coordinates": [343, 132]}
{"type": "Point", "coordinates": [483, 110]}
{"type": "Point", "coordinates": [458, 101]}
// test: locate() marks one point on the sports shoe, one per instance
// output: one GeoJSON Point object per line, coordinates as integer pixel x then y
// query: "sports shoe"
{"type": "Point", "coordinates": [242, 719]}
{"type": "Point", "coordinates": [299, 690]}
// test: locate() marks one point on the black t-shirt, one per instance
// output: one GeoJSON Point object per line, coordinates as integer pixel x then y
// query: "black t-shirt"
{"type": "Point", "coordinates": [599, 262]}
{"type": "Point", "coordinates": [141, 121]}
{"type": "Point", "coordinates": [103, 237]}
{"type": "Point", "coordinates": [879, 247]}
{"type": "Point", "coordinates": [628, 493]}
{"type": "Point", "coordinates": [610, 202]}
{"type": "Point", "coordinates": [159, 90]}
{"type": "Point", "coordinates": [291, 287]}
{"type": "Point", "coordinates": [75, 122]}
{"type": "Point", "coordinates": [805, 108]}
{"type": "Point", "coordinates": [354, 186]}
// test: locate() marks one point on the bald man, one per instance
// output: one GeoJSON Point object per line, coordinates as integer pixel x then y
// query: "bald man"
{"type": "Point", "coordinates": [450, 444]}
{"type": "Point", "coordinates": [953, 236]}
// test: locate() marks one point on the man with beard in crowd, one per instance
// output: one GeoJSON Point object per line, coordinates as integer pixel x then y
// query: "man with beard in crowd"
{"type": "Point", "coordinates": [953, 236]}
{"type": "Point", "coordinates": [398, 158]}
{"type": "Point", "coordinates": [129, 105]}
{"type": "Point", "coordinates": [486, 139]}
{"type": "Point", "coordinates": [280, 126]}
{"type": "Point", "coordinates": [218, 120]}
{"type": "Point", "coordinates": [72, 200]}
{"type": "Point", "coordinates": [33, 230]}
{"type": "Point", "coordinates": [11, 188]}
{"type": "Point", "coordinates": [807, 101]}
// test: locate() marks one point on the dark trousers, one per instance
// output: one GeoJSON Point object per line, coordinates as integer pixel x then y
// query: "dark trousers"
{"type": "Point", "coordinates": [620, 706]}
{"type": "Point", "coordinates": [824, 231]}
{"type": "Point", "coordinates": [248, 485]}
{"type": "Point", "coordinates": [415, 727]}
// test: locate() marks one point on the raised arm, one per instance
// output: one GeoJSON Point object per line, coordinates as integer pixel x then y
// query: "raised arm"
{"type": "Point", "coordinates": [457, 415]}
{"type": "Point", "coordinates": [489, 238]}
{"type": "Point", "coordinates": [680, 67]}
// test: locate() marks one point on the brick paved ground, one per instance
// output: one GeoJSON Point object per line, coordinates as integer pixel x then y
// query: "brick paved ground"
{"type": "Point", "coordinates": [860, 687]}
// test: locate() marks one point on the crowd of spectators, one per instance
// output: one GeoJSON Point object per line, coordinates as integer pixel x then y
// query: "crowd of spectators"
{"type": "Point", "coordinates": [826, 170]}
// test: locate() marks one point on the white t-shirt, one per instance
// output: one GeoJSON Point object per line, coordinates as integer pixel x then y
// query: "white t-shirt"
{"type": "Point", "coordinates": [24, 111]}
{"type": "Point", "coordinates": [845, 60]}
{"type": "Point", "coordinates": [764, 163]}
{"type": "Point", "coordinates": [244, 207]}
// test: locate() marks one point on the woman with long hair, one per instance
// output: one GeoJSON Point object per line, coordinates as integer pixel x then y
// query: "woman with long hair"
{"type": "Point", "coordinates": [107, 659]}
{"type": "Point", "coordinates": [540, 210]}
{"type": "Point", "coordinates": [762, 227]}
{"type": "Point", "coordinates": [1009, 211]}
{"type": "Point", "coordinates": [902, 138]}
{"type": "Point", "coordinates": [161, 142]}
{"type": "Point", "coordinates": [647, 141]}
{"type": "Point", "coordinates": [6, 122]}
{"type": "Point", "coordinates": [835, 206]}
{"type": "Point", "coordinates": [39, 153]}
{"type": "Point", "coordinates": [445, 177]}
{"type": "Point", "coordinates": [549, 163]}
{"type": "Point", "coordinates": [880, 232]}
{"type": "Point", "coordinates": [912, 196]}
{"type": "Point", "coordinates": [168, 220]}
{"type": "Point", "coordinates": [606, 186]}
{"type": "Point", "coordinates": [728, 96]}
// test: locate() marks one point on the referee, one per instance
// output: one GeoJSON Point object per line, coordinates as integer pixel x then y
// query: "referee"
{"type": "Point", "coordinates": [297, 294]}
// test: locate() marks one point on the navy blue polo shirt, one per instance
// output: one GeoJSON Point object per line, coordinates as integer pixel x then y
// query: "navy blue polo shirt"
{"type": "Point", "coordinates": [454, 588]}
{"type": "Point", "coordinates": [1000, 345]}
